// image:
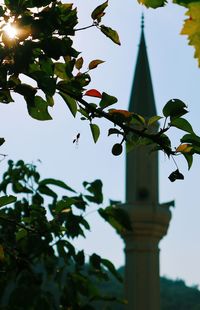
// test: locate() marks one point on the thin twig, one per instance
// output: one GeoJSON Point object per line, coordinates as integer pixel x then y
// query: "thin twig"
{"type": "Point", "coordinates": [86, 27]}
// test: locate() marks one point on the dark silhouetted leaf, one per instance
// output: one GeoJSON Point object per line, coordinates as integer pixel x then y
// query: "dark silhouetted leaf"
{"type": "Point", "coordinates": [174, 108]}
{"type": "Point", "coordinates": [94, 188]}
{"type": "Point", "coordinates": [57, 183]}
{"type": "Point", "coordinates": [176, 175]}
{"type": "Point", "coordinates": [107, 100]}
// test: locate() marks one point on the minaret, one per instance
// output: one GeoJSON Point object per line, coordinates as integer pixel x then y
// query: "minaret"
{"type": "Point", "coordinates": [149, 219]}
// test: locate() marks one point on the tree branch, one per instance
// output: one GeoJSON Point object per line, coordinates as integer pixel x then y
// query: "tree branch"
{"type": "Point", "coordinates": [155, 138]}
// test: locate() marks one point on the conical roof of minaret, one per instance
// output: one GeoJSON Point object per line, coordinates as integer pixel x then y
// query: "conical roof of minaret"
{"type": "Point", "coordinates": [142, 97]}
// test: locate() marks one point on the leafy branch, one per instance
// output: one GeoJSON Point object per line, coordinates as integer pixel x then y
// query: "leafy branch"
{"type": "Point", "coordinates": [43, 51]}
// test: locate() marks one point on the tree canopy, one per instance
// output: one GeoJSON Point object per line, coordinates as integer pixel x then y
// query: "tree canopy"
{"type": "Point", "coordinates": [40, 266]}
{"type": "Point", "coordinates": [37, 43]}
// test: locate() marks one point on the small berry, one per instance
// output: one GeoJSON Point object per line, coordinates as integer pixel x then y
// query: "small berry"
{"type": "Point", "coordinates": [117, 149]}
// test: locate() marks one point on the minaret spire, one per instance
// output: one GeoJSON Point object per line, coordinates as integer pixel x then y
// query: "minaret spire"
{"type": "Point", "coordinates": [142, 21]}
{"type": "Point", "coordinates": [142, 97]}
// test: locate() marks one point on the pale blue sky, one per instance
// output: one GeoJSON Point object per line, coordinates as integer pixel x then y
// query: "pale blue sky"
{"type": "Point", "coordinates": [175, 74]}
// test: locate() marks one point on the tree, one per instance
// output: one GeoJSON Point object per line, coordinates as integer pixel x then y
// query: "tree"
{"type": "Point", "coordinates": [36, 42]}
{"type": "Point", "coordinates": [40, 267]}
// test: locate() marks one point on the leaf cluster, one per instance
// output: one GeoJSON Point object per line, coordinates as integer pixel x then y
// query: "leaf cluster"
{"type": "Point", "coordinates": [43, 51]}
{"type": "Point", "coordinates": [39, 264]}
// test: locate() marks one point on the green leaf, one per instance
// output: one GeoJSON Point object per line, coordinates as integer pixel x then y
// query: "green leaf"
{"type": "Point", "coordinates": [95, 132]}
{"type": "Point", "coordinates": [111, 34]}
{"type": "Point", "coordinates": [107, 100]}
{"type": "Point", "coordinates": [46, 83]}
{"type": "Point", "coordinates": [57, 183]}
{"type": "Point", "coordinates": [153, 3]}
{"type": "Point", "coordinates": [38, 108]}
{"type": "Point", "coordinates": [43, 189]}
{"type": "Point", "coordinates": [71, 103]}
{"type": "Point", "coordinates": [153, 120]}
{"type": "Point", "coordinates": [5, 200]}
{"type": "Point", "coordinates": [60, 70]}
{"type": "Point", "coordinates": [196, 149]}
{"type": "Point", "coordinates": [174, 108]}
{"type": "Point", "coordinates": [99, 10]}
{"type": "Point", "coordinates": [189, 159]}
{"type": "Point", "coordinates": [182, 124]}
{"type": "Point", "coordinates": [191, 138]}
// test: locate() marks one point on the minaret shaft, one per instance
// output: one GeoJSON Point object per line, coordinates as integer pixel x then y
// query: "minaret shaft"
{"type": "Point", "coordinates": [142, 177]}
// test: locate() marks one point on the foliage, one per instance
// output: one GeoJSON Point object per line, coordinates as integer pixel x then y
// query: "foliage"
{"type": "Point", "coordinates": [40, 47]}
{"type": "Point", "coordinates": [40, 267]}
{"type": "Point", "coordinates": [191, 26]}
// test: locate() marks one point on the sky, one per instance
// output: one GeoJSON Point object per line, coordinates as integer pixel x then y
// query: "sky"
{"type": "Point", "coordinates": [175, 74]}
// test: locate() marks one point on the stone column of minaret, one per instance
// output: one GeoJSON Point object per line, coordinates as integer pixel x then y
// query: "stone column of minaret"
{"type": "Point", "coordinates": [149, 219]}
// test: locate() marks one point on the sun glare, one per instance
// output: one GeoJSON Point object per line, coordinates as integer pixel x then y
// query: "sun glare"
{"type": "Point", "coordinates": [10, 31]}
